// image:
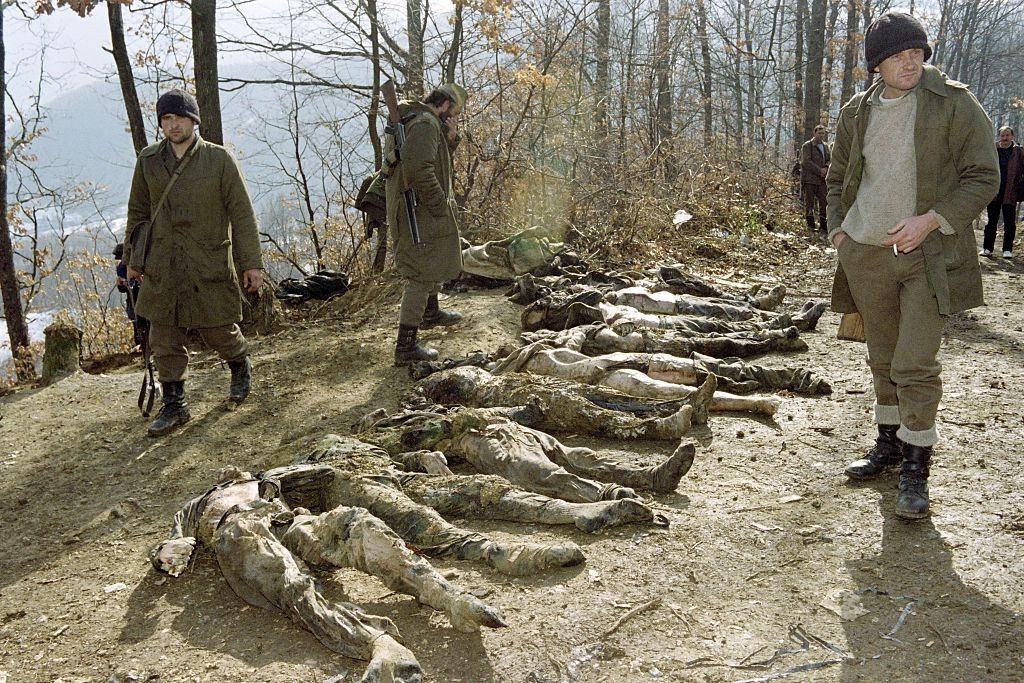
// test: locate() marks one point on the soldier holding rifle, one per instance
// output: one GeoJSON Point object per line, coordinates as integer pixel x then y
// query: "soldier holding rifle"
{"type": "Point", "coordinates": [421, 209]}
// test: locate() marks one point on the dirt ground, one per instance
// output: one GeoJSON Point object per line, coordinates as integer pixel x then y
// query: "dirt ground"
{"type": "Point", "coordinates": [765, 531]}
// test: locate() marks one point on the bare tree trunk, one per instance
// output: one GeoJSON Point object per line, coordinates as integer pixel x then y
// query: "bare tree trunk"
{"type": "Point", "coordinates": [705, 81]}
{"type": "Point", "coordinates": [850, 52]}
{"type": "Point", "coordinates": [373, 112]}
{"type": "Point", "coordinates": [798, 70]}
{"type": "Point", "coordinates": [626, 92]}
{"type": "Point", "coordinates": [664, 96]}
{"type": "Point", "coordinates": [455, 52]}
{"type": "Point", "coordinates": [815, 59]}
{"type": "Point", "coordinates": [126, 77]}
{"type": "Point", "coordinates": [601, 90]}
{"type": "Point", "coordinates": [737, 85]}
{"type": "Point", "coordinates": [204, 54]}
{"type": "Point", "coordinates": [830, 61]}
{"type": "Point", "coordinates": [866, 13]}
{"type": "Point", "coordinates": [17, 328]}
{"type": "Point", "coordinates": [414, 65]}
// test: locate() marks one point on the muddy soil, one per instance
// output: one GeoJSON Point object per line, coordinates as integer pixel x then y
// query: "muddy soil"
{"type": "Point", "coordinates": [772, 563]}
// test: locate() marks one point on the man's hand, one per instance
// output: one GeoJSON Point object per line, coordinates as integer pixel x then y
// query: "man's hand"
{"type": "Point", "coordinates": [451, 125]}
{"type": "Point", "coordinates": [174, 555]}
{"type": "Point", "coordinates": [909, 233]}
{"type": "Point", "coordinates": [838, 238]}
{"type": "Point", "coordinates": [252, 280]}
{"type": "Point", "coordinates": [824, 171]}
{"type": "Point", "coordinates": [134, 274]}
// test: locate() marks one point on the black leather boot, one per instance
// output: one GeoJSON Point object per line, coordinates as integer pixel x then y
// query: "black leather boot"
{"type": "Point", "coordinates": [435, 317]}
{"type": "Point", "coordinates": [885, 456]}
{"type": "Point", "coordinates": [407, 350]}
{"type": "Point", "coordinates": [174, 411]}
{"type": "Point", "coordinates": [241, 379]}
{"type": "Point", "coordinates": [912, 502]}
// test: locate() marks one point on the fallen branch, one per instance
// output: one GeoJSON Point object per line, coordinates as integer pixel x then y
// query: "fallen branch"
{"type": "Point", "coordinates": [899, 623]}
{"type": "Point", "coordinates": [639, 609]}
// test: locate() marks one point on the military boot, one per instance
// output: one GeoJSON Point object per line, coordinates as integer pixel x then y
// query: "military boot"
{"type": "Point", "coordinates": [435, 317]}
{"type": "Point", "coordinates": [912, 502]}
{"type": "Point", "coordinates": [241, 379]}
{"type": "Point", "coordinates": [884, 456]}
{"type": "Point", "coordinates": [174, 411]}
{"type": "Point", "coordinates": [407, 350]}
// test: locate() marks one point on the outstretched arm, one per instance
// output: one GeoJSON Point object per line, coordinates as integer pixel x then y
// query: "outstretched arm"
{"type": "Point", "coordinates": [171, 556]}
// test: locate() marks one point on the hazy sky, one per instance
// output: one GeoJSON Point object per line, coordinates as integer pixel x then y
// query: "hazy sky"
{"type": "Point", "coordinates": [74, 45]}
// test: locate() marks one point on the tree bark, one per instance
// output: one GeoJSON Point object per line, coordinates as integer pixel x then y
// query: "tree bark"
{"type": "Point", "coordinates": [830, 60]}
{"type": "Point", "coordinates": [17, 328]}
{"type": "Point", "coordinates": [664, 90]}
{"type": "Point", "coordinates": [204, 55]}
{"type": "Point", "coordinates": [126, 77]}
{"type": "Point", "coordinates": [850, 53]}
{"type": "Point", "coordinates": [815, 60]}
{"type": "Point", "coordinates": [705, 81]}
{"type": "Point", "coordinates": [798, 70]}
{"type": "Point", "coordinates": [414, 65]}
{"type": "Point", "coordinates": [456, 49]}
{"type": "Point", "coordinates": [601, 90]}
{"type": "Point", "coordinates": [373, 113]}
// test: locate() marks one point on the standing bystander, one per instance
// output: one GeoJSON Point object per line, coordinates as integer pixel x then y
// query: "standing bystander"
{"type": "Point", "coordinates": [1011, 191]}
{"type": "Point", "coordinates": [190, 219]}
{"type": "Point", "coordinates": [815, 157]}
{"type": "Point", "coordinates": [913, 165]}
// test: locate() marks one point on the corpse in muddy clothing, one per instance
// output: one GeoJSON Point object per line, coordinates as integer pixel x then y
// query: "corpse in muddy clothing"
{"type": "Point", "coordinates": [258, 540]}
{"type": "Point", "coordinates": [597, 339]}
{"type": "Point", "coordinates": [582, 306]}
{"type": "Point", "coordinates": [409, 501]}
{"type": "Point", "coordinates": [568, 406]}
{"type": "Point", "coordinates": [495, 442]}
{"type": "Point", "coordinates": [660, 375]}
{"type": "Point", "coordinates": [621, 370]}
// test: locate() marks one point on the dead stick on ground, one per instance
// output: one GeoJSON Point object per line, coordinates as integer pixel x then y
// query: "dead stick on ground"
{"type": "Point", "coordinates": [645, 607]}
{"type": "Point", "coordinates": [899, 623]}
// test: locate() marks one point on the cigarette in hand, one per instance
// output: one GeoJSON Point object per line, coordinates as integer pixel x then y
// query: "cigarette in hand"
{"type": "Point", "coordinates": [895, 251]}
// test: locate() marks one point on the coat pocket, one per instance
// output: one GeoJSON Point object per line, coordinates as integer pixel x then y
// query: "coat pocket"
{"type": "Point", "coordinates": [213, 262]}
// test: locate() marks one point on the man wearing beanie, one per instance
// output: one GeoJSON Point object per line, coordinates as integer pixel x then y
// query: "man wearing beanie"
{"type": "Point", "coordinates": [912, 166]}
{"type": "Point", "coordinates": [426, 167]}
{"type": "Point", "coordinates": [190, 221]}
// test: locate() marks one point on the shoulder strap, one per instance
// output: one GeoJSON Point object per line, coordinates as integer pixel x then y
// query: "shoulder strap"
{"type": "Point", "coordinates": [167, 191]}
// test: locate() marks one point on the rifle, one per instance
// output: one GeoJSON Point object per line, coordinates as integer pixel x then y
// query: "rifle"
{"type": "Point", "coordinates": [148, 391]}
{"type": "Point", "coordinates": [397, 129]}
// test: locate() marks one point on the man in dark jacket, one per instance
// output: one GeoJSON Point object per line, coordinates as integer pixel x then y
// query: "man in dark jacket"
{"type": "Point", "coordinates": [913, 165]}
{"type": "Point", "coordinates": [1011, 190]}
{"type": "Point", "coordinates": [426, 167]}
{"type": "Point", "coordinates": [184, 250]}
{"type": "Point", "coordinates": [814, 160]}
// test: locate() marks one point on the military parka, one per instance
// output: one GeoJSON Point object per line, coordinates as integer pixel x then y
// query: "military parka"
{"type": "Point", "coordinates": [426, 166]}
{"type": "Point", "coordinates": [205, 229]}
{"type": "Point", "coordinates": [957, 176]}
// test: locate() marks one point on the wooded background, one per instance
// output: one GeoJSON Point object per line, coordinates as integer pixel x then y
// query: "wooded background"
{"type": "Point", "coordinates": [600, 116]}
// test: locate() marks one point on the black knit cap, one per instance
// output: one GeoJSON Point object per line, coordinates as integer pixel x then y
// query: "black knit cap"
{"type": "Point", "coordinates": [177, 102]}
{"type": "Point", "coordinates": [892, 33]}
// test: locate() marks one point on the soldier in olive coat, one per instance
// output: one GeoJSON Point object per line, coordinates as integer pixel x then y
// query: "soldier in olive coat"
{"type": "Point", "coordinates": [913, 165]}
{"type": "Point", "coordinates": [184, 251]}
{"type": "Point", "coordinates": [426, 167]}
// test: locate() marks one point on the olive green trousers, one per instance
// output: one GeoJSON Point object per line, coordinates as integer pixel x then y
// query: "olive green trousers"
{"type": "Point", "coordinates": [903, 328]}
{"type": "Point", "coordinates": [414, 301]}
{"type": "Point", "coordinates": [171, 355]}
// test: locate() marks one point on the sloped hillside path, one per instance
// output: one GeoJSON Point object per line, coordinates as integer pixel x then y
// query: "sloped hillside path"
{"type": "Point", "coordinates": [772, 563]}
